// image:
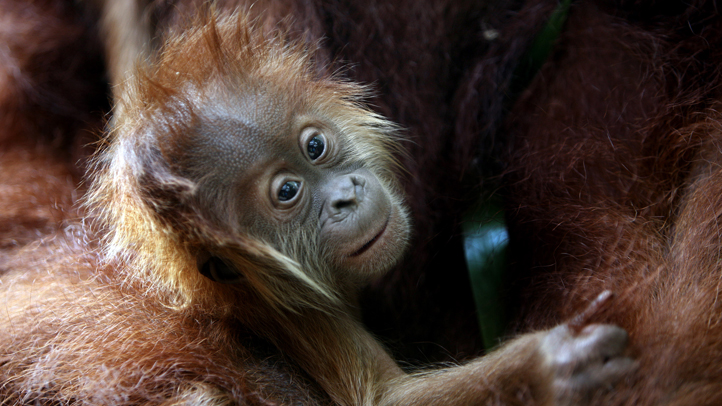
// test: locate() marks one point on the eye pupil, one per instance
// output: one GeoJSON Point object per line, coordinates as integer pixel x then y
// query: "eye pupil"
{"type": "Point", "coordinates": [288, 191]}
{"type": "Point", "coordinates": [315, 147]}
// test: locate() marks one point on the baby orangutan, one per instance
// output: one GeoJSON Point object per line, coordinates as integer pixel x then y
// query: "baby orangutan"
{"type": "Point", "coordinates": [240, 187]}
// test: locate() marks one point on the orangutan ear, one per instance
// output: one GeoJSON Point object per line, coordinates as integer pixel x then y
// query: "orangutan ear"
{"type": "Point", "coordinates": [220, 270]}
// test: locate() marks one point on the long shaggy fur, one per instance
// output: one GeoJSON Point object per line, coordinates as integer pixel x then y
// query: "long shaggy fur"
{"type": "Point", "coordinates": [613, 183]}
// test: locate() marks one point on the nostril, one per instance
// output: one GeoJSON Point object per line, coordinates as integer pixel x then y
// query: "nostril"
{"type": "Point", "coordinates": [344, 204]}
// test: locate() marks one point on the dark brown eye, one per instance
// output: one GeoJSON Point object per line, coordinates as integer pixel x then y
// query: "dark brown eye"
{"type": "Point", "coordinates": [288, 191]}
{"type": "Point", "coordinates": [316, 146]}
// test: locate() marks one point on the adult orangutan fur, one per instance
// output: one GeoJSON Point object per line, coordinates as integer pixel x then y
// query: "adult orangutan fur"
{"type": "Point", "coordinates": [136, 317]}
{"type": "Point", "coordinates": [614, 183]}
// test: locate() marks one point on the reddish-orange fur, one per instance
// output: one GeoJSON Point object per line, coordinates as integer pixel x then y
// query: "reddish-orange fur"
{"type": "Point", "coordinates": [614, 183]}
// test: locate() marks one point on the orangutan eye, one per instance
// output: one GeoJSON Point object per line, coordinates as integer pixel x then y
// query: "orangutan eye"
{"type": "Point", "coordinates": [316, 146]}
{"type": "Point", "coordinates": [288, 191]}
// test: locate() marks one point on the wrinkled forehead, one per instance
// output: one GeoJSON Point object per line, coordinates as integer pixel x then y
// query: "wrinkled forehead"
{"type": "Point", "coordinates": [244, 127]}
{"type": "Point", "coordinates": [257, 103]}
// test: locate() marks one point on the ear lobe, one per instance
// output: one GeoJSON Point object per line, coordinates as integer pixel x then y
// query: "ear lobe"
{"type": "Point", "coordinates": [219, 270]}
